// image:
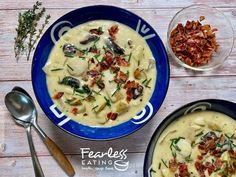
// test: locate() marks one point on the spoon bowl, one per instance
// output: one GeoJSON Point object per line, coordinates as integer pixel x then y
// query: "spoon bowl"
{"type": "Point", "coordinates": [20, 106]}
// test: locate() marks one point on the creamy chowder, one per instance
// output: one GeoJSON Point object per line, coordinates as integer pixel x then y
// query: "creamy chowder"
{"type": "Point", "coordinates": [200, 144]}
{"type": "Point", "coordinates": [101, 73]}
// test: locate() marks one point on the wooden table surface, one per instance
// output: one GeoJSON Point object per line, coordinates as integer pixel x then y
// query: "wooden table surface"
{"type": "Point", "coordinates": [185, 86]}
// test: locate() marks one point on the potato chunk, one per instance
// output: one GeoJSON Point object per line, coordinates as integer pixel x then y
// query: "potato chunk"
{"type": "Point", "coordinates": [122, 107]}
{"type": "Point", "coordinates": [77, 66]}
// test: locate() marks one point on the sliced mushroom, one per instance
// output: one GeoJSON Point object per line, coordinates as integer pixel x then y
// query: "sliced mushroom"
{"type": "Point", "coordinates": [69, 50]}
{"type": "Point", "coordinates": [70, 81]}
{"type": "Point", "coordinates": [114, 46]}
{"type": "Point", "coordinates": [88, 39]}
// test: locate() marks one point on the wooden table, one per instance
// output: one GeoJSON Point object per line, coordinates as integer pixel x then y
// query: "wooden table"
{"type": "Point", "coordinates": [185, 86]}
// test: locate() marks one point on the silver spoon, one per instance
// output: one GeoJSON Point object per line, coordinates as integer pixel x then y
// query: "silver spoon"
{"type": "Point", "coordinates": [16, 105]}
{"type": "Point", "coordinates": [23, 109]}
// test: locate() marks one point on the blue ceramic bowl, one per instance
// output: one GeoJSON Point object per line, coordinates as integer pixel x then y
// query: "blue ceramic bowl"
{"type": "Point", "coordinates": [82, 15]}
{"type": "Point", "coordinates": [222, 106]}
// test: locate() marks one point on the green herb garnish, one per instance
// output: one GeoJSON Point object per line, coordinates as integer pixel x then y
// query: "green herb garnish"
{"type": "Point", "coordinates": [118, 87]}
{"type": "Point", "coordinates": [94, 107]}
{"type": "Point", "coordinates": [188, 158]}
{"type": "Point", "coordinates": [147, 83]}
{"type": "Point", "coordinates": [70, 67]}
{"type": "Point", "coordinates": [28, 31]}
{"type": "Point", "coordinates": [57, 69]}
{"type": "Point", "coordinates": [199, 134]}
{"type": "Point", "coordinates": [164, 163]}
{"type": "Point", "coordinates": [108, 102]}
{"type": "Point", "coordinates": [129, 56]}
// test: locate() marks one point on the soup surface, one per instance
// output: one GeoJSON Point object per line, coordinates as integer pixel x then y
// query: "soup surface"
{"type": "Point", "coordinates": [101, 73]}
{"type": "Point", "coordinates": [200, 144]}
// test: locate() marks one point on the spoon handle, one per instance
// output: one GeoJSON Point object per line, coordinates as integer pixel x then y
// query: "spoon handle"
{"type": "Point", "coordinates": [59, 156]}
{"type": "Point", "coordinates": [37, 167]}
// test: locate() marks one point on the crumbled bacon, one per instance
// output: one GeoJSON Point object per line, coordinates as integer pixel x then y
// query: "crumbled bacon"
{"type": "Point", "coordinates": [133, 90]}
{"type": "Point", "coordinates": [112, 115]}
{"type": "Point", "coordinates": [115, 69]}
{"type": "Point", "coordinates": [232, 154]}
{"type": "Point", "coordinates": [194, 43]}
{"type": "Point", "coordinates": [120, 77]}
{"type": "Point", "coordinates": [58, 95]}
{"type": "Point", "coordinates": [93, 73]}
{"type": "Point", "coordinates": [200, 168]}
{"type": "Point", "coordinates": [210, 168]}
{"type": "Point", "coordinates": [121, 61]}
{"type": "Point", "coordinates": [94, 50]}
{"type": "Point", "coordinates": [173, 165]}
{"type": "Point", "coordinates": [183, 170]}
{"type": "Point", "coordinates": [113, 31]}
{"type": "Point", "coordinates": [103, 66]}
{"type": "Point", "coordinates": [74, 111]}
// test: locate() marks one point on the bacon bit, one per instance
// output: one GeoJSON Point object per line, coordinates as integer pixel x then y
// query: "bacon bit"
{"type": "Point", "coordinates": [199, 157]}
{"type": "Point", "coordinates": [94, 50]}
{"type": "Point", "coordinates": [58, 95]}
{"type": "Point", "coordinates": [130, 84]}
{"type": "Point", "coordinates": [137, 73]}
{"type": "Point", "coordinates": [115, 69]}
{"type": "Point", "coordinates": [200, 168]}
{"type": "Point", "coordinates": [133, 90]}
{"type": "Point", "coordinates": [218, 163]}
{"type": "Point", "coordinates": [120, 77]}
{"type": "Point", "coordinates": [194, 43]}
{"type": "Point", "coordinates": [103, 66]}
{"type": "Point", "coordinates": [112, 115]}
{"type": "Point", "coordinates": [74, 111]}
{"type": "Point", "coordinates": [91, 60]}
{"type": "Point", "coordinates": [232, 154]}
{"type": "Point", "coordinates": [173, 165]}
{"type": "Point", "coordinates": [210, 168]}
{"type": "Point", "coordinates": [121, 61]}
{"type": "Point", "coordinates": [93, 73]}
{"type": "Point", "coordinates": [96, 31]}
{"type": "Point", "coordinates": [201, 18]}
{"type": "Point", "coordinates": [113, 31]}
{"type": "Point", "coordinates": [183, 170]}
{"type": "Point", "coordinates": [85, 114]}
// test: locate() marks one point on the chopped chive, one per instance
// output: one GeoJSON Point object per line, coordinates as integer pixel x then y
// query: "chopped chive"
{"type": "Point", "coordinates": [164, 163]}
{"type": "Point", "coordinates": [83, 58]}
{"type": "Point", "coordinates": [98, 93]}
{"type": "Point", "coordinates": [147, 83]}
{"type": "Point", "coordinates": [152, 170]}
{"type": "Point", "coordinates": [159, 167]}
{"type": "Point", "coordinates": [68, 55]}
{"type": "Point", "coordinates": [199, 134]}
{"type": "Point", "coordinates": [143, 82]}
{"type": "Point", "coordinates": [94, 107]}
{"type": "Point", "coordinates": [108, 102]}
{"type": "Point", "coordinates": [129, 56]}
{"type": "Point", "coordinates": [70, 67]}
{"type": "Point", "coordinates": [57, 69]}
{"type": "Point", "coordinates": [118, 87]}
{"type": "Point", "coordinates": [127, 73]}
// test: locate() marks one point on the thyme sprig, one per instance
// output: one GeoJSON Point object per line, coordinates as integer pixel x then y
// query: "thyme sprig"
{"type": "Point", "coordinates": [28, 31]}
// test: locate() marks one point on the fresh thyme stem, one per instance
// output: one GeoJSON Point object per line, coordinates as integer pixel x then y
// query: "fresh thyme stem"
{"type": "Point", "coordinates": [28, 32]}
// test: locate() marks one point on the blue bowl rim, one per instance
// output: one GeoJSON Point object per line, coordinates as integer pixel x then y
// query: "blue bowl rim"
{"type": "Point", "coordinates": [167, 72]}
